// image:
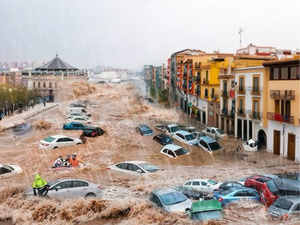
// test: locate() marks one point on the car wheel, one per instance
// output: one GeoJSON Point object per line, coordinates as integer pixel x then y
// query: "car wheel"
{"type": "Point", "coordinates": [78, 143]}
{"type": "Point", "coordinates": [90, 195]}
{"type": "Point", "coordinates": [55, 147]}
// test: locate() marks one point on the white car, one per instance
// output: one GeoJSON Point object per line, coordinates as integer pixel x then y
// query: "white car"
{"type": "Point", "coordinates": [215, 133]}
{"type": "Point", "coordinates": [71, 115]}
{"type": "Point", "coordinates": [71, 188]}
{"type": "Point", "coordinates": [204, 185]}
{"type": "Point", "coordinates": [134, 167]}
{"type": "Point", "coordinates": [186, 137]}
{"type": "Point", "coordinates": [57, 141]}
{"type": "Point", "coordinates": [173, 151]}
{"type": "Point", "coordinates": [9, 170]}
{"type": "Point", "coordinates": [81, 119]}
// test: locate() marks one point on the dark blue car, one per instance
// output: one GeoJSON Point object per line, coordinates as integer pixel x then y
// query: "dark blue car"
{"type": "Point", "coordinates": [163, 139]}
{"type": "Point", "coordinates": [227, 196]}
{"type": "Point", "coordinates": [75, 126]}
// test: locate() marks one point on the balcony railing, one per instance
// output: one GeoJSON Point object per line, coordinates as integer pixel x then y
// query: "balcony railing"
{"type": "Point", "coordinates": [255, 90]}
{"type": "Point", "coordinates": [224, 94]}
{"type": "Point", "coordinates": [256, 115]}
{"type": "Point", "coordinates": [197, 65]}
{"type": "Point", "coordinates": [205, 96]}
{"type": "Point", "coordinates": [205, 81]}
{"type": "Point", "coordinates": [280, 117]}
{"type": "Point", "coordinates": [241, 112]}
{"type": "Point", "coordinates": [241, 90]}
{"type": "Point", "coordinates": [225, 112]}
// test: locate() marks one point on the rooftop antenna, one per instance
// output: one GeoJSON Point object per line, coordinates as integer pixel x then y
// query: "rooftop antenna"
{"type": "Point", "coordinates": [240, 33]}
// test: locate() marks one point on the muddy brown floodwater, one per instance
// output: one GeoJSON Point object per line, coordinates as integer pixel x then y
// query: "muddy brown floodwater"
{"type": "Point", "coordinates": [125, 199]}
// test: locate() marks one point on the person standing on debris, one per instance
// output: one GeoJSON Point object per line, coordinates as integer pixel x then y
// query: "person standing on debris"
{"type": "Point", "coordinates": [75, 161]}
{"type": "Point", "coordinates": [40, 185]}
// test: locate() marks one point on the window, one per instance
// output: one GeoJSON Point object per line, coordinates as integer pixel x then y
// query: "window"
{"type": "Point", "coordinates": [196, 183]}
{"type": "Point", "coordinates": [50, 84]}
{"type": "Point", "coordinates": [255, 84]}
{"type": "Point", "coordinates": [39, 84]}
{"type": "Point", "coordinates": [171, 153]}
{"type": "Point", "coordinates": [294, 72]}
{"type": "Point", "coordinates": [55, 84]}
{"type": "Point", "coordinates": [203, 183]}
{"type": "Point", "coordinates": [68, 139]}
{"type": "Point", "coordinates": [77, 183]}
{"type": "Point", "coordinates": [206, 93]}
{"type": "Point", "coordinates": [66, 184]}
{"type": "Point", "coordinates": [241, 84]}
{"type": "Point", "coordinates": [212, 92]}
{"type": "Point", "coordinates": [275, 73]}
{"type": "Point", "coordinates": [188, 183]}
{"type": "Point", "coordinates": [44, 84]}
{"type": "Point", "coordinates": [284, 73]}
{"type": "Point", "coordinates": [133, 167]}
{"type": "Point", "coordinates": [240, 105]}
{"type": "Point", "coordinates": [122, 166]}
{"type": "Point", "coordinates": [203, 144]}
{"type": "Point", "coordinates": [33, 84]}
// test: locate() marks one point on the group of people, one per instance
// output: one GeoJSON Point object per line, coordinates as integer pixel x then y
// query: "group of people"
{"type": "Point", "coordinates": [73, 161]}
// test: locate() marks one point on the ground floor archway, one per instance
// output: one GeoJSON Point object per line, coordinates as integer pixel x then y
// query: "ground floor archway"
{"type": "Point", "coordinates": [262, 137]}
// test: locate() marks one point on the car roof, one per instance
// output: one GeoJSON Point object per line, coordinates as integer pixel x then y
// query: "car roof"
{"type": "Point", "coordinates": [199, 180]}
{"type": "Point", "coordinates": [287, 184]}
{"type": "Point", "coordinates": [134, 162]}
{"type": "Point", "coordinates": [207, 139]}
{"type": "Point", "coordinates": [58, 136]}
{"type": "Point", "coordinates": [183, 132]}
{"type": "Point", "coordinates": [172, 125]}
{"type": "Point", "coordinates": [172, 147]}
{"type": "Point", "coordinates": [206, 205]}
{"type": "Point", "coordinates": [164, 191]}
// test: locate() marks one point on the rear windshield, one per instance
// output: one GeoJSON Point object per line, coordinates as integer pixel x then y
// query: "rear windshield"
{"type": "Point", "coordinates": [220, 131]}
{"type": "Point", "coordinates": [283, 204]}
{"type": "Point", "coordinates": [214, 146]}
{"type": "Point", "coordinates": [49, 139]}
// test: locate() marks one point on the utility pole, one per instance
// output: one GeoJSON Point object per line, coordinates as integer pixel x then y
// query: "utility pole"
{"type": "Point", "coordinates": [240, 33]}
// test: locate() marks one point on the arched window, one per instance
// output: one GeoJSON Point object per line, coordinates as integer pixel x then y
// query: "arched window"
{"type": "Point", "coordinates": [50, 84]}
{"type": "Point", "coordinates": [39, 84]}
{"type": "Point", "coordinates": [44, 84]}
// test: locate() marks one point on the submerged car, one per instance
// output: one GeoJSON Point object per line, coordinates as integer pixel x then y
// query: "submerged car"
{"type": "Point", "coordinates": [228, 185]}
{"type": "Point", "coordinates": [9, 170]}
{"type": "Point", "coordinates": [75, 126]}
{"type": "Point", "coordinates": [206, 210]}
{"type": "Point", "coordinates": [93, 131]}
{"type": "Point", "coordinates": [186, 137]}
{"type": "Point", "coordinates": [58, 141]}
{"type": "Point", "coordinates": [173, 151]}
{"type": "Point", "coordinates": [210, 145]}
{"type": "Point", "coordinates": [256, 181]}
{"type": "Point", "coordinates": [134, 167]}
{"type": "Point", "coordinates": [231, 195]}
{"type": "Point", "coordinates": [81, 119]}
{"type": "Point", "coordinates": [71, 188]}
{"type": "Point", "coordinates": [144, 130]}
{"type": "Point", "coordinates": [190, 193]}
{"type": "Point", "coordinates": [205, 185]}
{"type": "Point", "coordinates": [215, 133]}
{"type": "Point", "coordinates": [285, 207]}
{"type": "Point", "coordinates": [170, 200]}
{"type": "Point", "coordinates": [163, 139]}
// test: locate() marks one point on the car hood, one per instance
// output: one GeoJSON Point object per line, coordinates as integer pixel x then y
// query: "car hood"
{"type": "Point", "coordinates": [180, 207]}
{"type": "Point", "coordinates": [277, 212]}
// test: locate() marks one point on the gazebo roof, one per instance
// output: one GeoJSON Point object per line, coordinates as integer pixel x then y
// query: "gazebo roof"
{"type": "Point", "coordinates": [56, 64]}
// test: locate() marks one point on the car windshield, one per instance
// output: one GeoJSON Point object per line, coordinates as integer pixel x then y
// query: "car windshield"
{"type": "Point", "coordinates": [49, 139]}
{"type": "Point", "coordinates": [174, 129]}
{"type": "Point", "coordinates": [272, 187]}
{"type": "Point", "coordinates": [214, 146]}
{"type": "Point", "coordinates": [283, 204]}
{"type": "Point", "coordinates": [212, 182]}
{"type": "Point", "coordinates": [220, 131]}
{"type": "Point", "coordinates": [146, 130]}
{"type": "Point", "coordinates": [180, 151]}
{"type": "Point", "coordinates": [149, 167]}
{"type": "Point", "coordinates": [189, 137]}
{"type": "Point", "coordinates": [209, 215]}
{"type": "Point", "coordinates": [172, 198]}
{"type": "Point", "coordinates": [52, 183]}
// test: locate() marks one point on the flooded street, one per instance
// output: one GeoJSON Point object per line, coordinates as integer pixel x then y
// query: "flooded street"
{"type": "Point", "coordinates": [125, 197]}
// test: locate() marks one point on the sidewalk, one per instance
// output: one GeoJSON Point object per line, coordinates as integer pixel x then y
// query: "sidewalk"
{"type": "Point", "coordinates": [12, 121]}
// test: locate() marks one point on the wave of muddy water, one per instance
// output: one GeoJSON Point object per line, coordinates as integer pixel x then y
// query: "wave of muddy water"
{"type": "Point", "coordinates": [125, 199]}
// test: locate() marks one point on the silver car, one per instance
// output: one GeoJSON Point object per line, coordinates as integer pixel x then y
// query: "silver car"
{"type": "Point", "coordinates": [134, 167]}
{"type": "Point", "coordinates": [71, 188]}
{"type": "Point", "coordinates": [285, 207]}
{"type": "Point", "coordinates": [170, 200]}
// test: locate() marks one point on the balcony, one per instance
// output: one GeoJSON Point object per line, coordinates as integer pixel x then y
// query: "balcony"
{"type": "Point", "coordinates": [275, 94]}
{"type": "Point", "coordinates": [197, 65]}
{"type": "Point", "coordinates": [256, 115]}
{"type": "Point", "coordinates": [280, 117]}
{"type": "Point", "coordinates": [255, 90]}
{"type": "Point", "coordinates": [241, 112]}
{"type": "Point", "coordinates": [205, 81]}
{"type": "Point", "coordinates": [205, 96]}
{"type": "Point", "coordinates": [241, 90]}
{"type": "Point", "coordinates": [224, 94]}
{"type": "Point", "coordinates": [224, 112]}
{"type": "Point", "coordinates": [288, 95]}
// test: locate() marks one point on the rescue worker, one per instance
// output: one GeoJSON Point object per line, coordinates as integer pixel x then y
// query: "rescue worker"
{"type": "Point", "coordinates": [74, 161]}
{"type": "Point", "coordinates": [58, 162]}
{"type": "Point", "coordinates": [41, 185]}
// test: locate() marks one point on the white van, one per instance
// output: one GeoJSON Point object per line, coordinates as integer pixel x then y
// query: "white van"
{"type": "Point", "coordinates": [79, 110]}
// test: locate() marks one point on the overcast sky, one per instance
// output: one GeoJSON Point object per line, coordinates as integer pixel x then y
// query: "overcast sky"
{"type": "Point", "coordinates": [132, 33]}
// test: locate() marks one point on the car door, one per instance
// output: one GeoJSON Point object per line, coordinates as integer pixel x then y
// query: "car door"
{"type": "Point", "coordinates": [79, 189]}
{"type": "Point", "coordinates": [242, 194]}
{"type": "Point", "coordinates": [206, 187]}
{"type": "Point", "coordinates": [196, 185]}
{"type": "Point", "coordinates": [68, 141]}
{"type": "Point", "coordinates": [171, 154]}
{"type": "Point", "coordinates": [134, 168]}
{"type": "Point", "coordinates": [253, 195]}
{"type": "Point", "coordinates": [60, 142]}
{"type": "Point", "coordinates": [61, 190]}
{"type": "Point", "coordinates": [155, 200]}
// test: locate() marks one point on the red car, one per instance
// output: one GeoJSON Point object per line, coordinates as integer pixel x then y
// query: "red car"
{"type": "Point", "coordinates": [277, 187]}
{"type": "Point", "coordinates": [256, 181]}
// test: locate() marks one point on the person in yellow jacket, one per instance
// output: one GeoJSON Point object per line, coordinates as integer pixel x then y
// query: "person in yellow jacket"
{"type": "Point", "coordinates": [41, 185]}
